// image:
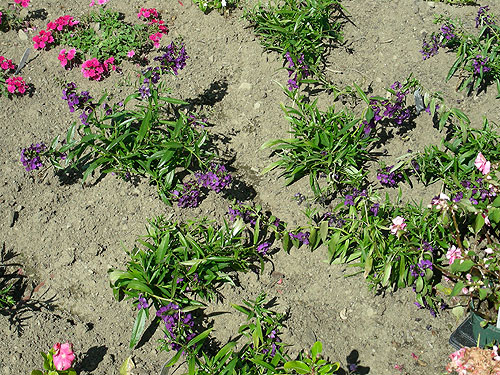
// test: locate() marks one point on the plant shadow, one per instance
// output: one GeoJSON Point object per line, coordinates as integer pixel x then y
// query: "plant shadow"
{"type": "Point", "coordinates": [21, 291]}
{"type": "Point", "coordinates": [91, 359]}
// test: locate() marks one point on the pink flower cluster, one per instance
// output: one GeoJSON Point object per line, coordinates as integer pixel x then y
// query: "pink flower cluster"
{"type": "Point", "coordinates": [398, 225]}
{"type": "Point", "coordinates": [61, 22]}
{"type": "Point", "coordinates": [65, 57]}
{"type": "Point", "coordinates": [100, 2]}
{"type": "Point", "coordinates": [16, 85]}
{"type": "Point", "coordinates": [23, 3]}
{"type": "Point", "coordinates": [474, 361]}
{"type": "Point", "coordinates": [42, 39]}
{"type": "Point", "coordinates": [152, 15]}
{"type": "Point", "coordinates": [45, 37]}
{"type": "Point", "coordinates": [94, 69]}
{"type": "Point", "coordinates": [6, 64]}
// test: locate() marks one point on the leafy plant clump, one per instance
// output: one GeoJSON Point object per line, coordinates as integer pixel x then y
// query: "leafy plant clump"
{"type": "Point", "coordinates": [477, 61]}
{"type": "Point", "coordinates": [181, 264]}
{"type": "Point", "coordinates": [326, 145]}
{"type": "Point", "coordinates": [304, 29]}
{"type": "Point", "coordinates": [221, 5]}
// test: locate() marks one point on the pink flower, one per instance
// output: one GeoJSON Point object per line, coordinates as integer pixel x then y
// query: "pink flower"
{"type": "Point", "coordinates": [482, 164]}
{"type": "Point", "coordinates": [486, 219]}
{"type": "Point", "coordinates": [42, 39]}
{"type": "Point", "coordinates": [131, 53]}
{"type": "Point", "coordinates": [453, 253]}
{"type": "Point", "coordinates": [156, 39]}
{"type": "Point", "coordinates": [398, 225]}
{"type": "Point", "coordinates": [147, 13]}
{"type": "Point", "coordinates": [64, 58]}
{"type": "Point", "coordinates": [23, 3]}
{"type": "Point", "coordinates": [101, 2]}
{"type": "Point", "coordinates": [110, 62]}
{"type": "Point", "coordinates": [6, 64]}
{"type": "Point", "coordinates": [63, 356]}
{"type": "Point", "coordinates": [16, 84]}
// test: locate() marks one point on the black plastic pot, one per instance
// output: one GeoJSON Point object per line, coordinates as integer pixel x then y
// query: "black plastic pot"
{"type": "Point", "coordinates": [470, 333]}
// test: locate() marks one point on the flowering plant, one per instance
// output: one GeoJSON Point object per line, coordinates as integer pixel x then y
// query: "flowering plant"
{"type": "Point", "coordinates": [221, 5]}
{"type": "Point", "coordinates": [476, 55]}
{"type": "Point", "coordinates": [182, 264]}
{"type": "Point", "coordinates": [474, 361]}
{"type": "Point", "coordinates": [472, 261]}
{"type": "Point", "coordinates": [58, 360]}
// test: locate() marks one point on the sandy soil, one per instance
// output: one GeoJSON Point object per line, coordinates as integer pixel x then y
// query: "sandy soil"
{"type": "Point", "coordinates": [64, 237]}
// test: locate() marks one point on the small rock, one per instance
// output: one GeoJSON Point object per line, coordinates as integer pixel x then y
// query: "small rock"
{"type": "Point", "coordinates": [245, 86]}
{"type": "Point", "coordinates": [378, 80]}
{"type": "Point", "coordinates": [22, 35]}
{"type": "Point", "coordinates": [211, 59]}
{"type": "Point", "coordinates": [256, 105]}
{"type": "Point", "coordinates": [431, 5]}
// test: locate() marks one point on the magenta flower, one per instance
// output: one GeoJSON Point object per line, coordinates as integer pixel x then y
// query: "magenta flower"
{"type": "Point", "coordinates": [16, 85]}
{"type": "Point", "coordinates": [23, 3]}
{"type": "Point", "coordinates": [64, 57]}
{"type": "Point", "coordinates": [63, 356]}
{"type": "Point", "coordinates": [398, 225]}
{"type": "Point", "coordinates": [131, 53]}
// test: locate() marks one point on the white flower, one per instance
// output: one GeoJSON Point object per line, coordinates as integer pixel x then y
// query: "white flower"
{"type": "Point", "coordinates": [223, 3]}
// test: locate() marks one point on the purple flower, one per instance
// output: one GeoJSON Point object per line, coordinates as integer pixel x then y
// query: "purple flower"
{"type": "Point", "coordinates": [483, 18]}
{"type": "Point", "coordinates": [478, 63]}
{"type": "Point", "coordinates": [263, 248]}
{"type": "Point", "coordinates": [189, 196]}
{"type": "Point", "coordinates": [430, 50]}
{"type": "Point", "coordinates": [447, 32]}
{"type": "Point", "coordinates": [348, 200]}
{"type": "Point", "coordinates": [216, 179]}
{"type": "Point", "coordinates": [303, 237]}
{"type": "Point", "coordinates": [374, 209]}
{"type": "Point", "coordinates": [145, 91]}
{"type": "Point", "coordinates": [31, 156]}
{"type": "Point", "coordinates": [143, 303]}
{"type": "Point", "coordinates": [174, 59]}
{"type": "Point", "coordinates": [298, 69]}
{"type": "Point", "coordinates": [388, 178]}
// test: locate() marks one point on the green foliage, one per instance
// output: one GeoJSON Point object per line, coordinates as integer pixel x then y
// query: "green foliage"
{"type": "Point", "coordinates": [221, 5]}
{"type": "Point", "coordinates": [325, 144]}
{"type": "Point", "coordinates": [299, 27]}
{"type": "Point", "coordinates": [453, 161]}
{"type": "Point", "coordinates": [181, 263]}
{"type": "Point", "coordinates": [104, 34]}
{"type": "Point", "coordinates": [139, 141]}
{"type": "Point", "coordinates": [477, 62]}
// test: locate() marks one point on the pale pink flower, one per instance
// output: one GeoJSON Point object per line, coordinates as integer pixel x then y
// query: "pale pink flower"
{"type": "Point", "coordinates": [131, 53]}
{"type": "Point", "coordinates": [398, 225]}
{"type": "Point", "coordinates": [486, 219]}
{"type": "Point", "coordinates": [488, 250]}
{"type": "Point", "coordinates": [63, 356]}
{"type": "Point", "coordinates": [482, 164]}
{"type": "Point", "coordinates": [453, 253]}
{"type": "Point", "coordinates": [101, 2]}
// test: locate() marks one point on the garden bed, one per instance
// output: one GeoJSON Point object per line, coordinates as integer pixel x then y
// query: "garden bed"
{"type": "Point", "coordinates": [64, 236]}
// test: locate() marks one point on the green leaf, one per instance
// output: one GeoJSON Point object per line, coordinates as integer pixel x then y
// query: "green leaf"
{"type": "Point", "coordinates": [323, 230]}
{"type": "Point", "coordinates": [174, 359]}
{"type": "Point", "coordinates": [138, 328]}
{"type": "Point", "coordinates": [387, 274]}
{"type": "Point", "coordinates": [457, 289]}
{"type": "Point", "coordinates": [478, 223]}
{"type": "Point", "coordinates": [316, 349]}
{"type": "Point", "coordinates": [127, 366]}
{"type": "Point", "coordinates": [460, 265]}
{"type": "Point", "coordinates": [458, 311]}
{"type": "Point", "coordinates": [36, 372]}
{"type": "Point", "coordinates": [200, 337]}
{"type": "Point", "coordinates": [297, 366]}
{"type": "Point", "coordinates": [362, 94]}
{"type": "Point", "coordinates": [419, 285]}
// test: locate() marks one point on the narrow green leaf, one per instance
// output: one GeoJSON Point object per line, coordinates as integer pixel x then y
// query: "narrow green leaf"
{"type": "Point", "coordinates": [138, 328]}
{"type": "Point", "coordinates": [297, 366]}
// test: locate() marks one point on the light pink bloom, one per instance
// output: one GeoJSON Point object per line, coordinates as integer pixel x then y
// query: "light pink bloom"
{"type": "Point", "coordinates": [482, 164]}
{"type": "Point", "coordinates": [63, 356]}
{"type": "Point", "coordinates": [486, 219]}
{"type": "Point", "coordinates": [131, 53]}
{"type": "Point", "coordinates": [101, 2]}
{"type": "Point", "coordinates": [488, 250]}
{"type": "Point", "coordinates": [453, 253]}
{"type": "Point", "coordinates": [398, 225]}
